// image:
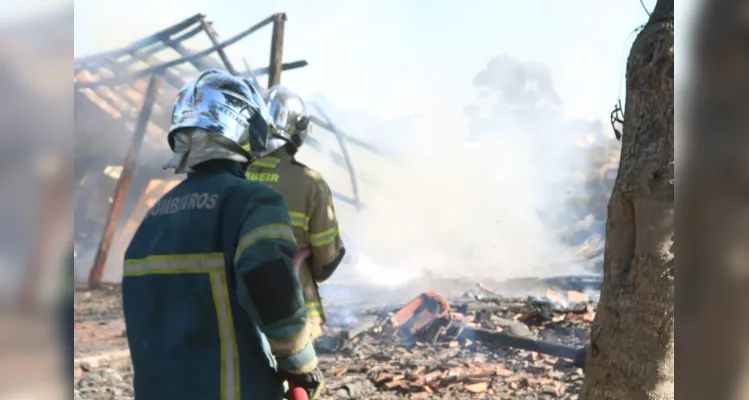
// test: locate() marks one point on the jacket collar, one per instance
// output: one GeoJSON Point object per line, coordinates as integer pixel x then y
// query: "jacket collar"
{"type": "Point", "coordinates": [273, 159]}
{"type": "Point", "coordinates": [218, 167]}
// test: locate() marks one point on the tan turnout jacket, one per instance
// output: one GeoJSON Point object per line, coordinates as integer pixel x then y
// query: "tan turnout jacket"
{"type": "Point", "coordinates": [313, 219]}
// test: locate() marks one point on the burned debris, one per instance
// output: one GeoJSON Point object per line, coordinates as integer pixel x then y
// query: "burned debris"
{"type": "Point", "coordinates": [481, 344]}
{"type": "Point", "coordinates": [484, 344]}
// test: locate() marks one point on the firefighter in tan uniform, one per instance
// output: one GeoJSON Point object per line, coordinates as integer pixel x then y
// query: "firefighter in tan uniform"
{"type": "Point", "coordinates": [308, 198]}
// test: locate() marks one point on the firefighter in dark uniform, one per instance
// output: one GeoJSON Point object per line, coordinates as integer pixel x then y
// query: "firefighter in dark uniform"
{"type": "Point", "coordinates": [212, 305]}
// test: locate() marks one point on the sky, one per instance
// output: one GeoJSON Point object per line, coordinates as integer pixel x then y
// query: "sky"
{"type": "Point", "coordinates": [395, 58]}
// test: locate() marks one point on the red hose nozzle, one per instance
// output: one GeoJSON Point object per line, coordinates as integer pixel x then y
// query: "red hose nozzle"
{"type": "Point", "coordinates": [298, 393]}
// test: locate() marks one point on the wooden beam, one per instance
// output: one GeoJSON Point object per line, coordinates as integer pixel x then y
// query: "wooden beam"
{"type": "Point", "coordinates": [127, 115]}
{"type": "Point", "coordinates": [130, 94]}
{"type": "Point", "coordinates": [82, 62]}
{"type": "Point", "coordinates": [165, 44]}
{"type": "Point", "coordinates": [114, 101]}
{"type": "Point", "coordinates": [120, 80]}
{"type": "Point", "coordinates": [341, 138]}
{"type": "Point", "coordinates": [151, 50]}
{"type": "Point", "coordinates": [348, 200]}
{"type": "Point", "coordinates": [214, 40]}
{"type": "Point", "coordinates": [498, 340]}
{"type": "Point", "coordinates": [170, 77]}
{"type": "Point", "coordinates": [334, 129]}
{"type": "Point", "coordinates": [138, 187]}
{"type": "Point", "coordinates": [250, 75]}
{"type": "Point", "coordinates": [276, 51]}
{"type": "Point", "coordinates": [199, 64]}
{"type": "Point", "coordinates": [120, 193]}
{"type": "Point", "coordinates": [284, 67]}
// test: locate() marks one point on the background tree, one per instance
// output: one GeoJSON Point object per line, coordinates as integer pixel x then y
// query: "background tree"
{"type": "Point", "coordinates": [631, 354]}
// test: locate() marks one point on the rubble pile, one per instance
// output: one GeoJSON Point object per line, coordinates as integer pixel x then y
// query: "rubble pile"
{"type": "Point", "coordinates": [477, 346]}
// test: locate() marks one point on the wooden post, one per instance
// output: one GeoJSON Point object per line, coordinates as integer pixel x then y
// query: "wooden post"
{"type": "Point", "coordinates": [120, 192]}
{"type": "Point", "coordinates": [276, 51]}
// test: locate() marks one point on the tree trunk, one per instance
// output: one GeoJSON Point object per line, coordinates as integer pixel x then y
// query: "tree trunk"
{"type": "Point", "coordinates": [714, 216]}
{"type": "Point", "coordinates": [631, 354]}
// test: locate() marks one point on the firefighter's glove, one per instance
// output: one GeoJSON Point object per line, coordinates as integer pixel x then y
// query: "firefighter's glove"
{"type": "Point", "coordinates": [312, 381]}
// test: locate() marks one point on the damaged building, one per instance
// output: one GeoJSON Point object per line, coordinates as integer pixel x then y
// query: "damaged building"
{"type": "Point", "coordinates": [123, 101]}
{"type": "Point", "coordinates": [515, 339]}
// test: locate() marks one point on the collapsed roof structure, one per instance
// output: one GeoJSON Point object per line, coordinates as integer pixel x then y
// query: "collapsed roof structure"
{"type": "Point", "coordinates": [123, 101]}
{"type": "Point", "coordinates": [112, 86]}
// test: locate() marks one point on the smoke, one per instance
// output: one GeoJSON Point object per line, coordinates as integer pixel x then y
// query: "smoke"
{"type": "Point", "coordinates": [524, 89]}
{"type": "Point", "coordinates": [93, 206]}
{"type": "Point", "coordinates": [99, 172]}
{"type": "Point", "coordinates": [463, 193]}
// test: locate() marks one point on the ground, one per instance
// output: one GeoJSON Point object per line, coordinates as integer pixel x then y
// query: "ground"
{"type": "Point", "coordinates": [427, 349]}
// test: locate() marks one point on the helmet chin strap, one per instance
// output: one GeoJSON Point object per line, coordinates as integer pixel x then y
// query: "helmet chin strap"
{"type": "Point", "coordinates": [291, 147]}
{"type": "Point", "coordinates": [296, 140]}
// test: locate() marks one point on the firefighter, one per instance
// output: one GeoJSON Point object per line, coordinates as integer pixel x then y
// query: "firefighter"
{"type": "Point", "coordinates": [307, 195]}
{"type": "Point", "coordinates": [210, 266]}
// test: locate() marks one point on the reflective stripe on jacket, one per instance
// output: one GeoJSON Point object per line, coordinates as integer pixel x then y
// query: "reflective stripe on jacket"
{"type": "Point", "coordinates": [312, 215]}
{"type": "Point", "coordinates": [192, 327]}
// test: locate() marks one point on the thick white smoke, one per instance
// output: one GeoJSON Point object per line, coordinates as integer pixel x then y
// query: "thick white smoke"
{"type": "Point", "coordinates": [457, 196]}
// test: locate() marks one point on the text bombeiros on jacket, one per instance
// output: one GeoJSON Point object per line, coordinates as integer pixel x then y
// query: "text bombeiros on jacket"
{"type": "Point", "coordinates": [192, 201]}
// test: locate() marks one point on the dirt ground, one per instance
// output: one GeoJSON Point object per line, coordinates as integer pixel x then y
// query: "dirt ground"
{"type": "Point", "coordinates": [365, 355]}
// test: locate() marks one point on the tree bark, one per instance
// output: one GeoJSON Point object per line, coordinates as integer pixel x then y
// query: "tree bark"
{"type": "Point", "coordinates": [631, 354]}
{"type": "Point", "coordinates": [714, 214]}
